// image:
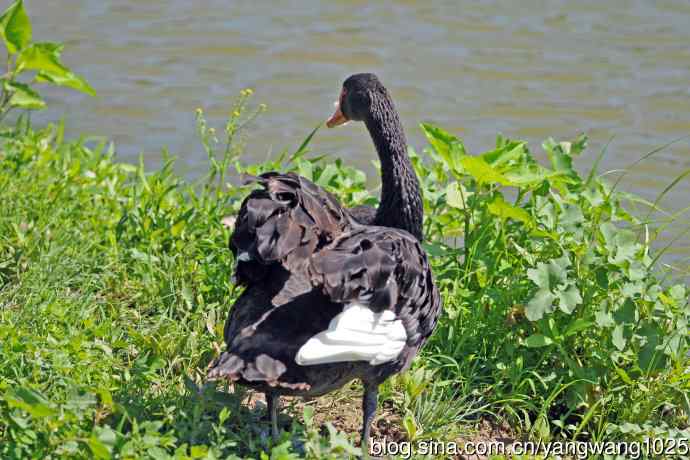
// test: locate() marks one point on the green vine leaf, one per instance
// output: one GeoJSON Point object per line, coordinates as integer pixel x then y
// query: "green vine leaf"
{"type": "Point", "coordinates": [44, 58]}
{"type": "Point", "coordinates": [504, 210]}
{"type": "Point", "coordinates": [69, 80]}
{"type": "Point", "coordinates": [15, 27]}
{"type": "Point", "coordinates": [449, 147]}
{"type": "Point", "coordinates": [482, 171]}
{"type": "Point", "coordinates": [23, 96]}
{"type": "Point", "coordinates": [506, 151]}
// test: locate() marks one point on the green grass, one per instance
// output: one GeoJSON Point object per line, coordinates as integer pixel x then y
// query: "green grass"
{"type": "Point", "coordinates": [115, 283]}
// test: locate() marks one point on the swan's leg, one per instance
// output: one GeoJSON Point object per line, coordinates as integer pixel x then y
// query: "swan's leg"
{"type": "Point", "coordinates": [272, 403]}
{"type": "Point", "coordinates": [369, 403]}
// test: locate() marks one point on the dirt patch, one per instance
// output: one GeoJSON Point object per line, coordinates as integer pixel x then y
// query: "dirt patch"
{"type": "Point", "coordinates": [343, 410]}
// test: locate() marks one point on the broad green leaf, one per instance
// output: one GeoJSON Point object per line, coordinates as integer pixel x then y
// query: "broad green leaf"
{"type": "Point", "coordinates": [457, 195]}
{"type": "Point", "coordinates": [571, 217]}
{"type": "Point", "coordinates": [80, 401]}
{"type": "Point", "coordinates": [620, 242]}
{"type": "Point", "coordinates": [509, 151]}
{"type": "Point", "coordinates": [626, 249]}
{"type": "Point", "coordinates": [537, 341]}
{"type": "Point", "coordinates": [580, 324]}
{"type": "Point", "coordinates": [546, 211]}
{"type": "Point", "coordinates": [15, 27]}
{"type": "Point", "coordinates": [106, 435]}
{"type": "Point", "coordinates": [199, 451]}
{"type": "Point", "coordinates": [499, 207]}
{"type": "Point", "coordinates": [176, 229]}
{"type": "Point", "coordinates": [68, 80]}
{"type": "Point", "coordinates": [23, 96]}
{"type": "Point", "coordinates": [637, 271]}
{"type": "Point", "coordinates": [593, 195]}
{"type": "Point", "coordinates": [540, 276]}
{"type": "Point", "coordinates": [435, 249]}
{"type": "Point", "coordinates": [482, 171]}
{"type": "Point", "coordinates": [42, 57]}
{"type": "Point", "coordinates": [449, 147]}
{"type": "Point", "coordinates": [631, 290]}
{"type": "Point", "coordinates": [329, 172]}
{"type": "Point", "coordinates": [158, 453]}
{"type": "Point", "coordinates": [608, 231]}
{"type": "Point", "coordinates": [549, 275]}
{"type": "Point", "coordinates": [305, 169]}
{"type": "Point", "coordinates": [558, 269]}
{"type": "Point", "coordinates": [673, 345]}
{"type": "Point", "coordinates": [623, 375]}
{"type": "Point", "coordinates": [569, 299]}
{"type": "Point", "coordinates": [539, 233]}
{"type": "Point", "coordinates": [626, 313]}
{"type": "Point", "coordinates": [31, 401]}
{"type": "Point", "coordinates": [531, 174]}
{"type": "Point", "coordinates": [678, 292]}
{"type": "Point", "coordinates": [540, 304]}
{"type": "Point", "coordinates": [649, 357]}
{"type": "Point", "coordinates": [617, 337]}
{"type": "Point", "coordinates": [98, 449]}
{"type": "Point", "coordinates": [30, 396]}
{"type": "Point", "coordinates": [604, 319]}
{"type": "Point", "coordinates": [628, 427]}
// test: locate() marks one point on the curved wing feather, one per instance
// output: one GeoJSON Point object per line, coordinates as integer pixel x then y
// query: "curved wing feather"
{"type": "Point", "coordinates": [285, 221]}
{"type": "Point", "coordinates": [384, 269]}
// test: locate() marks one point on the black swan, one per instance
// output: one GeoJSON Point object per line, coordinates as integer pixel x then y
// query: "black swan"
{"type": "Point", "coordinates": [331, 294]}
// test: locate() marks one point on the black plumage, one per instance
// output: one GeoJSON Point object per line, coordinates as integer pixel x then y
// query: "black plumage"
{"type": "Point", "coordinates": [303, 258]}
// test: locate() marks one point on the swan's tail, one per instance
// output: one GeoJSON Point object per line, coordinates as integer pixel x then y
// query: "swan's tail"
{"type": "Point", "coordinates": [229, 366]}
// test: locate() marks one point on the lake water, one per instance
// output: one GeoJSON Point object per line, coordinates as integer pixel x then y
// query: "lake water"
{"type": "Point", "coordinates": [529, 69]}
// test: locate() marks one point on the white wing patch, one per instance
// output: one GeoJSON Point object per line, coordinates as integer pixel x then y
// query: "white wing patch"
{"type": "Point", "coordinates": [244, 257]}
{"type": "Point", "coordinates": [356, 334]}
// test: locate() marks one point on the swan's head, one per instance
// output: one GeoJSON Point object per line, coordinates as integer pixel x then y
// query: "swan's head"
{"type": "Point", "coordinates": [357, 99]}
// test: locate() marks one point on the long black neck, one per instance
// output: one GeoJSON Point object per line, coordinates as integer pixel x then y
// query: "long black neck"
{"type": "Point", "coordinates": [401, 198]}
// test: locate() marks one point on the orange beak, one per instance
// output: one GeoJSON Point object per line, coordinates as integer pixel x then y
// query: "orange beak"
{"type": "Point", "coordinates": [338, 118]}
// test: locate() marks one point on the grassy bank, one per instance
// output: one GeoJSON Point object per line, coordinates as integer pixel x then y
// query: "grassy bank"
{"type": "Point", "coordinates": [114, 285]}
